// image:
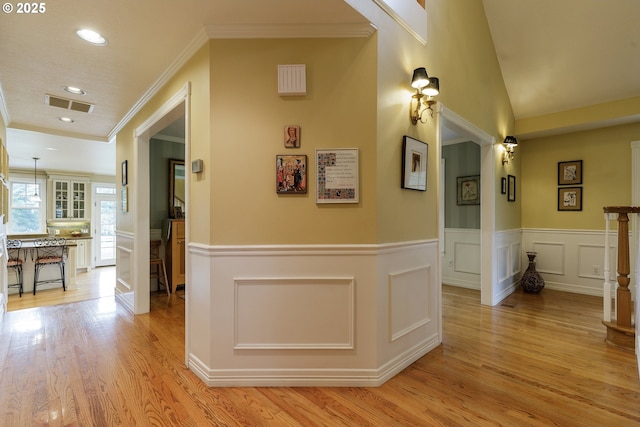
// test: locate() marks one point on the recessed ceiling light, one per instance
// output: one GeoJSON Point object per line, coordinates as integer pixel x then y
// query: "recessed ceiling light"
{"type": "Point", "coordinates": [52, 149]}
{"type": "Point", "coordinates": [66, 120]}
{"type": "Point", "coordinates": [74, 90]}
{"type": "Point", "coordinates": [91, 37]}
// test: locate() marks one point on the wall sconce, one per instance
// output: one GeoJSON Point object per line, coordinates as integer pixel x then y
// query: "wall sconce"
{"type": "Point", "coordinates": [509, 143]}
{"type": "Point", "coordinates": [426, 88]}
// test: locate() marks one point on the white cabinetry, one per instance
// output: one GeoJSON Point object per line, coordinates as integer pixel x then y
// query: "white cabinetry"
{"type": "Point", "coordinates": [83, 253]}
{"type": "Point", "coordinates": [70, 199]}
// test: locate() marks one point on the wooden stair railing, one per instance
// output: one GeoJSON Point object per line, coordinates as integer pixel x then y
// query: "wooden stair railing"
{"type": "Point", "coordinates": [620, 332]}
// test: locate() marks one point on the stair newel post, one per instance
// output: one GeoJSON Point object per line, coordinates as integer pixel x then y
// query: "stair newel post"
{"type": "Point", "coordinates": [606, 293]}
{"type": "Point", "coordinates": [623, 294]}
{"type": "Point", "coordinates": [620, 332]}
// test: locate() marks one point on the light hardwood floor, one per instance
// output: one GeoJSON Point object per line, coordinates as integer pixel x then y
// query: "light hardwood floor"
{"type": "Point", "coordinates": [97, 283]}
{"type": "Point", "coordinates": [534, 360]}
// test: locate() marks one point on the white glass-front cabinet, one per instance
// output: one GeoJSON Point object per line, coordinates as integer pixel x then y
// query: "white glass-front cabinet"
{"type": "Point", "coordinates": [70, 199]}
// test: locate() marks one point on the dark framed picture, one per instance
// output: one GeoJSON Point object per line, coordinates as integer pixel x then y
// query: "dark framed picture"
{"type": "Point", "coordinates": [570, 198]}
{"type": "Point", "coordinates": [511, 188]}
{"type": "Point", "coordinates": [414, 164]}
{"type": "Point", "coordinates": [124, 173]}
{"type": "Point", "coordinates": [292, 136]}
{"type": "Point", "coordinates": [570, 173]}
{"type": "Point", "coordinates": [503, 185]}
{"type": "Point", "coordinates": [291, 174]}
{"type": "Point", "coordinates": [468, 190]}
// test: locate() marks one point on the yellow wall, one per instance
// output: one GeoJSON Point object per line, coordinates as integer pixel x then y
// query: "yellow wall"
{"type": "Point", "coordinates": [358, 97]}
{"type": "Point", "coordinates": [196, 71]}
{"type": "Point", "coordinates": [606, 157]}
{"type": "Point", "coordinates": [460, 52]}
{"type": "Point", "coordinates": [247, 124]}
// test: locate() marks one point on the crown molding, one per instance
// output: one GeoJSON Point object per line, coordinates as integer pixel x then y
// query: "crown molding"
{"type": "Point", "coordinates": [244, 31]}
{"type": "Point", "coordinates": [3, 109]}
{"type": "Point", "coordinates": [237, 32]}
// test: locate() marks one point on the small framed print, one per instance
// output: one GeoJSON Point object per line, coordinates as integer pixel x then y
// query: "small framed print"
{"type": "Point", "coordinates": [414, 164]}
{"type": "Point", "coordinates": [468, 190]}
{"type": "Point", "coordinates": [125, 202]}
{"type": "Point", "coordinates": [292, 136]}
{"type": "Point", "coordinates": [511, 188]}
{"type": "Point", "coordinates": [570, 198]}
{"type": "Point", "coordinates": [570, 173]}
{"type": "Point", "coordinates": [291, 174]}
{"type": "Point", "coordinates": [503, 185]}
{"type": "Point", "coordinates": [124, 173]}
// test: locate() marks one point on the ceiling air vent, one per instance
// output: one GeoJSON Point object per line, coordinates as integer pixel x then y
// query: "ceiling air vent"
{"type": "Point", "coordinates": [68, 104]}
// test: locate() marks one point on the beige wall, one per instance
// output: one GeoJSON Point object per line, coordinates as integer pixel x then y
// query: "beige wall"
{"type": "Point", "coordinates": [460, 52]}
{"type": "Point", "coordinates": [606, 157]}
{"type": "Point", "coordinates": [358, 94]}
{"type": "Point", "coordinates": [195, 71]}
{"type": "Point", "coordinates": [247, 122]}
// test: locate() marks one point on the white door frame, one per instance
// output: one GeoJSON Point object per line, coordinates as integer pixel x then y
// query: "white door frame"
{"type": "Point", "coordinates": [488, 264]}
{"type": "Point", "coordinates": [95, 219]}
{"type": "Point", "coordinates": [175, 107]}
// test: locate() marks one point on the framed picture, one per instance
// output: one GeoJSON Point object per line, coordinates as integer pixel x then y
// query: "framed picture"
{"type": "Point", "coordinates": [469, 190]}
{"type": "Point", "coordinates": [291, 174]}
{"type": "Point", "coordinates": [570, 173]}
{"type": "Point", "coordinates": [511, 188]}
{"type": "Point", "coordinates": [570, 198]}
{"type": "Point", "coordinates": [292, 136]}
{"type": "Point", "coordinates": [503, 185]}
{"type": "Point", "coordinates": [124, 195]}
{"type": "Point", "coordinates": [177, 212]}
{"type": "Point", "coordinates": [124, 173]}
{"type": "Point", "coordinates": [337, 171]}
{"type": "Point", "coordinates": [414, 164]}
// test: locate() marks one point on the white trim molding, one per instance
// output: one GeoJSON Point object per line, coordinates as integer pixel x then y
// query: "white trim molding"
{"type": "Point", "coordinates": [313, 315]}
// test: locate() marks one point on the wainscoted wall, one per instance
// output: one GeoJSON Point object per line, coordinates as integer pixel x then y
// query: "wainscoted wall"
{"type": "Point", "coordinates": [571, 260]}
{"type": "Point", "coordinates": [326, 315]}
{"type": "Point", "coordinates": [462, 257]}
{"type": "Point", "coordinates": [509, 266]}
{"type": "Point", "coordinates": [124, 269]}
{"type": "Point", "coordinates": [461, 261]}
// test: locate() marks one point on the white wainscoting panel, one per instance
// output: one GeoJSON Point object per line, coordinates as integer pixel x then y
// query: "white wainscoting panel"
{"type": "Point", "coordinates": [294, 313]}
{"type": "Point", "coordinates": [461, 261]}
{"type": "Point", "coordinates": [125, 269]}
{"type": "Point", "coordinates": [315, 315]}
{"type": "Point", "coordinates": [409, 307]}
{"type": "Point", "coordinates": [549, 257]}
{"type": "Point", "coordinates": [572, 260]}
{"type": "Point", "coordinates": [508, 244]}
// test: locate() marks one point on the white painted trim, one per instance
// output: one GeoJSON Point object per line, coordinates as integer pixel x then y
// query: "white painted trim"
{"type": "Point", "coordinates": [3, 110]}
{"type": "Point", "coordinates": [409, 15]}
{"type": "Point", "coordinates": [330, 377]}
{"type": "Point", "coordinates": [488, 275]}
{"type": "Point", "coordinates": [190, 50]}
{"type": "Point", "coordinates": [248, 31]}
{"type": "Point", "coordinates": [389, 331]}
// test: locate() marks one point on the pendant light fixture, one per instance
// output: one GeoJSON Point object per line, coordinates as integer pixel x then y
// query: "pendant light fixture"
{"type": "Point", "coordinates": [35, 197]}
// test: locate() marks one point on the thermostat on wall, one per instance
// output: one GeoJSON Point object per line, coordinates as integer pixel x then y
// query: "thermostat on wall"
{"type": "Point", "coordinates": [196, 166]}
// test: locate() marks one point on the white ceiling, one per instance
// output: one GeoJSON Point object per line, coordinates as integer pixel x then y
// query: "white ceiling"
{"type": "Point", "coordinates": [554, 55]}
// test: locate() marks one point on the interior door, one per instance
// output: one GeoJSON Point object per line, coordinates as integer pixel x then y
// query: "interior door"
{"type": "Point", "coordinates": [104, 226]}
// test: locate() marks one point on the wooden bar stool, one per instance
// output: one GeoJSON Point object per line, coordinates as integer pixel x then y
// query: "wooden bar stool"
{"type": "Point", "coordinates": [14, 262]}
{"type": "Point", "coordinates": [157, 268]}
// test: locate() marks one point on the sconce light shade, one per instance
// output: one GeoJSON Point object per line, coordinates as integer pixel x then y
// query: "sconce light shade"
{"type": "Point", "coordinates": [433, 89]}
{"type": "Point", "coordinates": [509, 143]}
{"type": "Point", "coordinates": [426, 88]}
{"type": "Point", "coordinates": [510, 140]}
{"type": "Point", "coordinates": [420, 78]}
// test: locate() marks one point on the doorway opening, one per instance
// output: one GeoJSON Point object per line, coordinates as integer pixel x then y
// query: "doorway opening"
{"type": "Point", "coordinates": [455, 128]}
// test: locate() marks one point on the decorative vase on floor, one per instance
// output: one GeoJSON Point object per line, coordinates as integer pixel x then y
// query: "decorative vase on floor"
{"type": "Point", "coordinates": [531, 280]}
